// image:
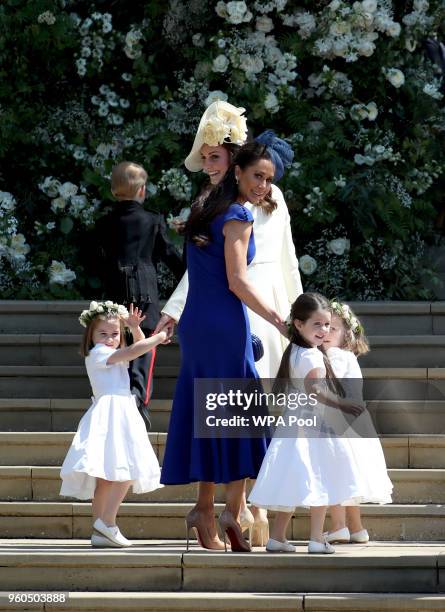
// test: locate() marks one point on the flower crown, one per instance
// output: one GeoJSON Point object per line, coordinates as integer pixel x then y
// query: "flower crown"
{"type": "Point", "coordinates": [107, 309]}
{"type": "Point", "coordinates": [346, 314]}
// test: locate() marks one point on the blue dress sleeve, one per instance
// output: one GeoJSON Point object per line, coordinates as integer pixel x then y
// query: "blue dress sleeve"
{"type": "Point", "coordinates": [238, 212]}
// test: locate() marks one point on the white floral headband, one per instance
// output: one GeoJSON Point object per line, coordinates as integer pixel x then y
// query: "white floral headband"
{"type": "Point", "coordinates": [346, 314]}
{"type": "Point", "coordinates": [107, 309]}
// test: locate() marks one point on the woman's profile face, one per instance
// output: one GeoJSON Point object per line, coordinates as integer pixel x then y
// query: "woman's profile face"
{"type": "Point", "coordinates": [255, 181]}
{"type": "Point", "coordinates": [215, 162]}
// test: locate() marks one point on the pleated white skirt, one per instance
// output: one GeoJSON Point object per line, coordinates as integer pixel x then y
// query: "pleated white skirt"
{"type": "Point", "coordinates": [111, 443]}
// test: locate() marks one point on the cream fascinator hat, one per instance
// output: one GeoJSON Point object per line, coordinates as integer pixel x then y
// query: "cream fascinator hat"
{"type": "Point", "coordinates": [221, 122]}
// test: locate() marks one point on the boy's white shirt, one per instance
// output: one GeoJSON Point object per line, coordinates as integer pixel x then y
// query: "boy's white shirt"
{"type": "Point", "coordinates": [289, 263]}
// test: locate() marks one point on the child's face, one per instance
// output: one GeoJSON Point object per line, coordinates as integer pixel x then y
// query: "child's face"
{"type": "Point", "coordinates": [336, 335]}
{"type": "Point", "coordinates": [315, 329]}
{"type": "Point", "coordinates": [108, 332]}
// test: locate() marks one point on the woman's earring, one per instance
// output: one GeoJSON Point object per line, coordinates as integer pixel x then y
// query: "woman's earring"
{"type": "Point", "coordinates": [237, 180]}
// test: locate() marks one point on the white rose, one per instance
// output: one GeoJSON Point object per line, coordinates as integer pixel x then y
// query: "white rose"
{"type": "Point", "coordinates": [358, 112]}
{"type": "Point", "coordinates": [340, 47]}
{"type": "Point", "coordinates": [308, 265]}
{"type": "Point", "coordinates": [221, 10]}
{"type": "Point", "coordinates": [372, 111]}
{"type": "Point", "coordinates": [366, 48]}
{"type": "Point", "coordinates": [370, 6]}
{"type": "Point", "coordinates": [394, 29]}
{"type": "Point", "coordinates": [220, 63]}
{"type": "Point", "coordinates": [339, 246]}
{"type": "Point", "coordinates": [334, 5]}
{"type": "Point", "coordinates": [353, 322]}
{"type": "Point", "coordinates": [345, 309]}
{"type": "Point", "coordinates": [108, 303]}
{"type": "Point", "coordinates": [50, 187]}
{"type": "Point", "coordinates": [100, 309]}
{"type": "Point", "coordinates": [214, 96]}
{"type": "Point", "coordinates": [93, 306]}
{"type": "Point", "coordinates": [238, 12]}
{"type": "Point", "coordinates": [271, 103]}
{"type": "Point", "coordinates": [67, 190]}
{"type": "Point", "coordinates": [60, 274]}
{"type": "Point", "coordinates": [395, 77]}
{"type": "Point", "coordinates": [264, 24]}
{"type": "Point", "coordinates": [421, 5]}
{"type": "Point", "coordinates": [7, 200]}
{"type": "Point", "coordinates": [18, 247]}
{"type": "Point", "coordinates": [58, 204]}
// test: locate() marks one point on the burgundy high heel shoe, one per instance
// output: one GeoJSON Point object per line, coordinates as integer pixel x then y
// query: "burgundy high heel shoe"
{"type": "Point", "coordinates": [231, 527]}
{"type": "Point", "coordinates": [193, 520]}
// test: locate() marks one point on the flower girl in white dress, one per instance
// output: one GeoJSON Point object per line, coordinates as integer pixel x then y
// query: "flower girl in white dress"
{"type": "Point", "coordinates": [110, 450]}
{"type": "Point", "coordinates": [312, 468]}
{"type": "Point", "coordinates": [346, 340]}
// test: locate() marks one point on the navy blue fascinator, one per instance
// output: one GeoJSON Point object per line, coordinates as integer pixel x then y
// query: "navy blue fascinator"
{"type": "Point", "coordinates": [280, 151]}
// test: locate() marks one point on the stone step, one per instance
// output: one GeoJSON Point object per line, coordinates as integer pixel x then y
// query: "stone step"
{"type": "Point", "coordinates": [72, 382]}
{"type": "Point", "coordinates": [174, 602]}
{"type": "Point", "coordinates": [60, 350]}
{"type": "Point", "coordinates": [393, 417]}
{"type": "Point", "coordinates": [396, 522]}
{"type": "Point", "coordinates": [61, 317]}
{"type": "Point", "coordinates": [67, 381]}
{"type": "Point", "coordinates": [63, 350]}
{"type": "Point", "coordinates": [163, 566]}
{"type": "Point", "coordinates": [49, 449]}
{"type": "Point", "coordinates": [226, 602]}
{"type": "Point", "coordinates": [42, 483]}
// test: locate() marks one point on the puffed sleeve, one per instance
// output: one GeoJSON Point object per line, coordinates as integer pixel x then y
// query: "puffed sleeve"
{"type": "Point", "coordinates": [99, 355]}
{"type": "Point", "coordinates": [303, 362]}
{"type": "Point", "coordinates": [175, 305]}
{"type": "Point", "coordinates": [238, 212]}
{"type": "Point", "coordinates": [338, 360]}
{"type": "Point", "coordinates": [289, 261]}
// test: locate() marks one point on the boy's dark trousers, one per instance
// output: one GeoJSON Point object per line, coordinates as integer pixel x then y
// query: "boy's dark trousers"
{"type": "Point", "coordinates": [141, 372]}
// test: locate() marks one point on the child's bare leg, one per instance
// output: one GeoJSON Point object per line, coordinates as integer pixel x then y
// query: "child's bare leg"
{"type": "Point", "coordinates": [116, 494]}
{"type": "Point", "coordinates": [279, 527]}
{"type": "Point", "coordinates": [318, 514]}
{"type": "Point", "coordinates": [354, 519]}
{"type": "Point", "coordinates": [100, 498]}
{"type": "Point", "coordinates": [338, 517]}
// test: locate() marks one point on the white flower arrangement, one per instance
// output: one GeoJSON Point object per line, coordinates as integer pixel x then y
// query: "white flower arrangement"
{"type": "Point", "coordinates": [59, 274]}
{"type": "Point", "coordinates": [338, 246]}
{"type": "Point", "coordinates": [46, 17]}
{"type": "Point", "coordinates": [394, 76]}
{"type": "Point", "coordinates": [307, 264]}
{"type": "Point", "coordinates": [104, 310]}
{"type": "Point", "coordinates": [214, 96]}
{"type": "Point", "coordinates": [176, 223]}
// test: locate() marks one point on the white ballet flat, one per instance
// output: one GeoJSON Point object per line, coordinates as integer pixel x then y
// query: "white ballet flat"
{"type": "Point", "coordinates": [112, 533]}
{"type": "Point", "coordinates": [341, 536]}
{"type": "Point", "coordinates": [100, 541]}
{"type": "Point", "coordinates": [320, 548]}
{"type": "Point", "coordinates": [360, 537]}
{"type": "Point", "coordinates": [277, 546]}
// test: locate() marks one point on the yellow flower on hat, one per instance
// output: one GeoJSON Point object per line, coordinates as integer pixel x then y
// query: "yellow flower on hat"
{"type": "Point", "coordinates": [215, 131]}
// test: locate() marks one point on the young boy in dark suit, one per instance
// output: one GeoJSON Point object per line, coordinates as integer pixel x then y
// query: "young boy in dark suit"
{"type": "Point", "coordinates": [133, 241]}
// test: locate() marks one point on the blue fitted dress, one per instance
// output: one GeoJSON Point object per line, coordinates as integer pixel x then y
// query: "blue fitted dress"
{"type": "Point", "coordinates": [215, 342]}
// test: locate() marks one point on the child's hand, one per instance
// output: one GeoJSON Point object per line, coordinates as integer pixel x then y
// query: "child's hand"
{"type": "Point", "coordinates": [163, 336]}
{"type": "Point", "coordinates": [135, 317]}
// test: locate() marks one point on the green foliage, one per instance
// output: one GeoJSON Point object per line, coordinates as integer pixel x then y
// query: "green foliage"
{"type": "Point", "coordinates": [84, 85]}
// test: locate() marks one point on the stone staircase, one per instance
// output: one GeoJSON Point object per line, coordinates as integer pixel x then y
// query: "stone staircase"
{"type": "Point", "coordinates": [44, 539]}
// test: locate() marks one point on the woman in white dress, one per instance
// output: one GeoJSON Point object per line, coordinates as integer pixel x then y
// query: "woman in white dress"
{"type": "Point", "coordinates": [274, 271]}
{"type": "Point", "coordinates": [111, 450]}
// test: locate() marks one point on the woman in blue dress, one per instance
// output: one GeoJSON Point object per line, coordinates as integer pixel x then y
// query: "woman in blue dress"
{"type": "Point", "coordinates": [215, 341]}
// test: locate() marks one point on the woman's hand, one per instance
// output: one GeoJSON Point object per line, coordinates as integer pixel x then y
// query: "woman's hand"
{"type": "Point", "coordinates": [166, 323]}
{"type": "Point", "coordinates": [135, 317]}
